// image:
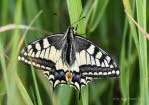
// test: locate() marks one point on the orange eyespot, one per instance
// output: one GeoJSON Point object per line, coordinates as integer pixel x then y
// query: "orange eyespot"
{"type": "Point", "coordinates": [68, 76]}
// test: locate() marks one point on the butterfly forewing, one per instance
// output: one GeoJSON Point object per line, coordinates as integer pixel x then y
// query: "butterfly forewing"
{"type": "Point", "coordinates": [40, 53]}
{"type": "Point", "coordinates": [93, 61]}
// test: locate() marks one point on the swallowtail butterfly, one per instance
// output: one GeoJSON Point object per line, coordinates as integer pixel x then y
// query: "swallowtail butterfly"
{"type": "Point", "coordinates": [69, 56]}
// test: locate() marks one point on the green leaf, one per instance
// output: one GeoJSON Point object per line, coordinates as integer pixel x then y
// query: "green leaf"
{"type": "Point", "coordinates": [98, 11]}
{"type": "Point", "coordinates": [23, 92]}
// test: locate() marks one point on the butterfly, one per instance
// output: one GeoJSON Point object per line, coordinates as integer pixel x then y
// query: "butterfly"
{"type": "Point", "coordinates": [68, 56]}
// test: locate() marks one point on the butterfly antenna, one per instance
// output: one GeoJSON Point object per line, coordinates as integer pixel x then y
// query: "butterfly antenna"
{"type": "Point", "coordinates": [78, 20]}
{"type": "Point", "coordinates": [76, 27]}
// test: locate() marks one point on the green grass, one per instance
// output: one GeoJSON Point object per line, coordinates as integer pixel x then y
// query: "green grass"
{"type": "Point", "coordinates": [105, 24]}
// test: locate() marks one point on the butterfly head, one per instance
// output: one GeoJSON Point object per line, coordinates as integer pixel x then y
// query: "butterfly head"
{"type": "Point", "coordinates": [72, 30]}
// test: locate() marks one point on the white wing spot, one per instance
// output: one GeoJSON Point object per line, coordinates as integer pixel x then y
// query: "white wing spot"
{"type": "Point", "coordinates": [65, 68]}
{"type": "Point", "coordinates": [51, 82]}
{"type": "Point", "coordinates": [117, 72]}
{"type": "Point", "coordinates": [83, 81]}
{"type": "Point", "coordinates": [95, 73]}
{"type": "Point", "coordinates": [22, 58]}
{"type": "Point", "coordinates": [55, 56]}
{"type": "Point", "coordinates": [46, 72]}
{"type": "Point", "coordinates": [56, 82]}
{"type": "Point", "coordinates": [43, 67]}
{"type": "Point", "coordinates": [92, 60]}
{"type": "Point", "coordinates": [99, 55]}
{"type": "Point", "coordinates": [29, 54]}
{"type": "Point", "coordinates": [26, 61]}
{"type": "Point", "coordinates": [111, 66]}
{"type": "Point", "coordinates": [46, 56]}
{"type": "Point", "coordinates": [78, 58]}
{"type": "Point", "coordinates": [106, 63]}
{"type": "Point", "coordinates": [25, 53]}
{"type": "Point", "coordinates": [85, 73]}
{"type": "Point", "coordinates": [38, 47]}
{"type": "Point", "coordinates": [19, 58]}
{"type": "Point", "coordinates": [113, 71]}
{"type": "Point", "coordinates": [51, 77]}
{"type": "Point", "coordinates": [82, 58]}
{"type": "Point", "coordinates": [77, 85]}
{"type": "Point", "coordinates": [46, 43]}
{"type": "Point", "coordinates": [37, 54]}
{"type": "Point", "coordinates": [91, 49]}
{"type": "Point", "coordinates": [33, 54]}
{"type": "Point", "coordinates": [102, 65]}
{"type": "Point", "coordinates": [33, 63]}
{"type": "Point", "coordinates": [29, 62]}
{"type": "Point", "coordinates": [105, 73]}
{"type": "Point", "coordinates": [62, 81]}
{"type": "Point", "coordinates": [29, 47]}
{"type": "Point", "coordinates": [37, 65]}
{"type": "Point", "coordinates": [42, 53]}
{"type": "Point", "coordinates": [48, 68]}
{"type": "Point", "coordinates": [52, 53]}
{"type": "Point", "coordinates": [89, 78]}
{"type": "Point", "coordinates": [59, 64]}
{"type": "Point", "coordinates": [108, 58]}
{"type": "Point", "coordinates": [88, 61]}
{"type": "Point", "coordinates": [109, 73]}
{"type": "Point", "coordinates": [90, 73]}
{"type": "Point", "coordinates": [58, 54]}
{"type": "Point", "coordinates": [100, 73]}
{"type": "Point", "coordinates": [97, 62]}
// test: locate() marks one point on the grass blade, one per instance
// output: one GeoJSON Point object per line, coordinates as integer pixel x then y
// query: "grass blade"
{"type": "Point", "coordinates": [98, 11]}
{"type": "Point", "coordinates": [143, 52]}
{"type": "Point", "coordinates": [23, 92]}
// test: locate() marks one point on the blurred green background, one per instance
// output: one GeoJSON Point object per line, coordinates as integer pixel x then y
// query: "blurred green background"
{"type": "Point", "coordinates": [106, 24]}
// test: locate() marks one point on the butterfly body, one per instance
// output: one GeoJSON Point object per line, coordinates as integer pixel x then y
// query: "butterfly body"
{"type": "Point", "coordinates": [68, 56]}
